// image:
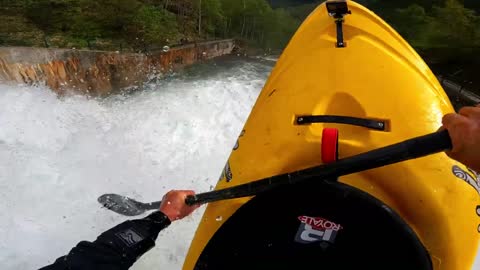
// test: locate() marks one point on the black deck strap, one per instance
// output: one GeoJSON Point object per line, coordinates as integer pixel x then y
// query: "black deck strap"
{"type": "Point", "coordinates": [339, 25]}
{"type": "Point", "coordinates": [355, 121]}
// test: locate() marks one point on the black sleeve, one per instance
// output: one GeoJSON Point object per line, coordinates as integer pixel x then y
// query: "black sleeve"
{"type": "Point", "coordinates": [115, 249]}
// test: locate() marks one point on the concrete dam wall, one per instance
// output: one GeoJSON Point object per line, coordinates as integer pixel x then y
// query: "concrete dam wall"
{"type": "Point", "coordinates": [99, 73]}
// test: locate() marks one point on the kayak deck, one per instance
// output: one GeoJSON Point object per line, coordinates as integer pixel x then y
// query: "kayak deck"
{"type": "Point", "coordinates": [377, 76]}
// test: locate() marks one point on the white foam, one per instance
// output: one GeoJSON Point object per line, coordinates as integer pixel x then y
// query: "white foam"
{"type": "Point", "coordinates": [58, 155]}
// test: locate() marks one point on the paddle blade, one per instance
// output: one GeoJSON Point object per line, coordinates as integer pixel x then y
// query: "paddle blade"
{"type": "Point", "coordinates": [121, 204]}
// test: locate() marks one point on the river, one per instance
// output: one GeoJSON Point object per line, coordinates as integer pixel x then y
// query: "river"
{"type": "Point", "coordinates": [59, 154]}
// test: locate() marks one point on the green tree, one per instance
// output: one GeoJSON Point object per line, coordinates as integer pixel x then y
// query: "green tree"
{"type": "Point", "coordinates": [453, 25]}
{"type": "Point", "coordinates": [51, 15]}
{"type": "Point", "coordinates": [85, 23]}
{"type": "Point", "coordinates": [115, 16]}
{"type": "Point", "coordinates": [255, 21]}
{"type": "Point", "coordinates": [253, 12]}
{"type": "Point", "coordinates": [301, 12]}
{"type": "Point", "coordinates": [411, 23]}
{"type": "Point", "coordinates": [153, 26]}
{"type": "Point", "coordinates": [213, 21]}
{"type": "Point", "coordinates": [233, 14]}
{"type": "Point", "coordinates": [279, 26]}
{"type": "Point", "coordinates": [209, 16]}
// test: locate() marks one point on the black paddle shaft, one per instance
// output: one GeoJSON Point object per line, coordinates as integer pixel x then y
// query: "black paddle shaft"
{"type": "Point", "coordinates": [409, 149]}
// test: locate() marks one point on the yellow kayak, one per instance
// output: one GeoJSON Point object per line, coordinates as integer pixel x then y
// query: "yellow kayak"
{"type": "Point", "coordinates": [347, 83]}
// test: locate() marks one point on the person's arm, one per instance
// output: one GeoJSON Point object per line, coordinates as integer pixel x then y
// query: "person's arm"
{"type": "Point", "coordinates": [464, 130]}
{"type": "Point", "coordinates": [119, 247]}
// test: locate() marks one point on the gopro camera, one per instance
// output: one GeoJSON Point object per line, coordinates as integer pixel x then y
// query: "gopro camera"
{"type": "Point", "coordinates": [337, 8]}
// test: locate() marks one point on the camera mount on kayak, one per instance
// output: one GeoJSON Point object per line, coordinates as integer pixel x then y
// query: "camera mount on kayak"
{"type": "Point", "coordinates": [338, 9]}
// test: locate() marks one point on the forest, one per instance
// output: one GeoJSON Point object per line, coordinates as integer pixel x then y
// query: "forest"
{"type": "Point", "coordinates": [142, 24]}
{"type": "Point", "coordinates": [449, 26]}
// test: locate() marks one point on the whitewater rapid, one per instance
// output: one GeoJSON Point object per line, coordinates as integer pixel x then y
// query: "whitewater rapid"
{"type": "Point", "coordinates": [59, 154]}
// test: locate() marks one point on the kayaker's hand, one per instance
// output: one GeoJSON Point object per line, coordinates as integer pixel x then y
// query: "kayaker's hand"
{"type": "Point", "coordinates": [464, 129]}
{"type": "Point", "coordinates": [174, 206]}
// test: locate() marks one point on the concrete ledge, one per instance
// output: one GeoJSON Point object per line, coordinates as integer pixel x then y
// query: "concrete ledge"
{"type": "Point", "coordinates": [99, 73]}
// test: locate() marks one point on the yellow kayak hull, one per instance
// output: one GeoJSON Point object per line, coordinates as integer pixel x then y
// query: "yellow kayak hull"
{"type": "Point", "coordinates": [378, 75]}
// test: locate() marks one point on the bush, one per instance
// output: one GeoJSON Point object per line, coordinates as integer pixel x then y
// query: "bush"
{"type": "Point", "coordinates": [153, 26]}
